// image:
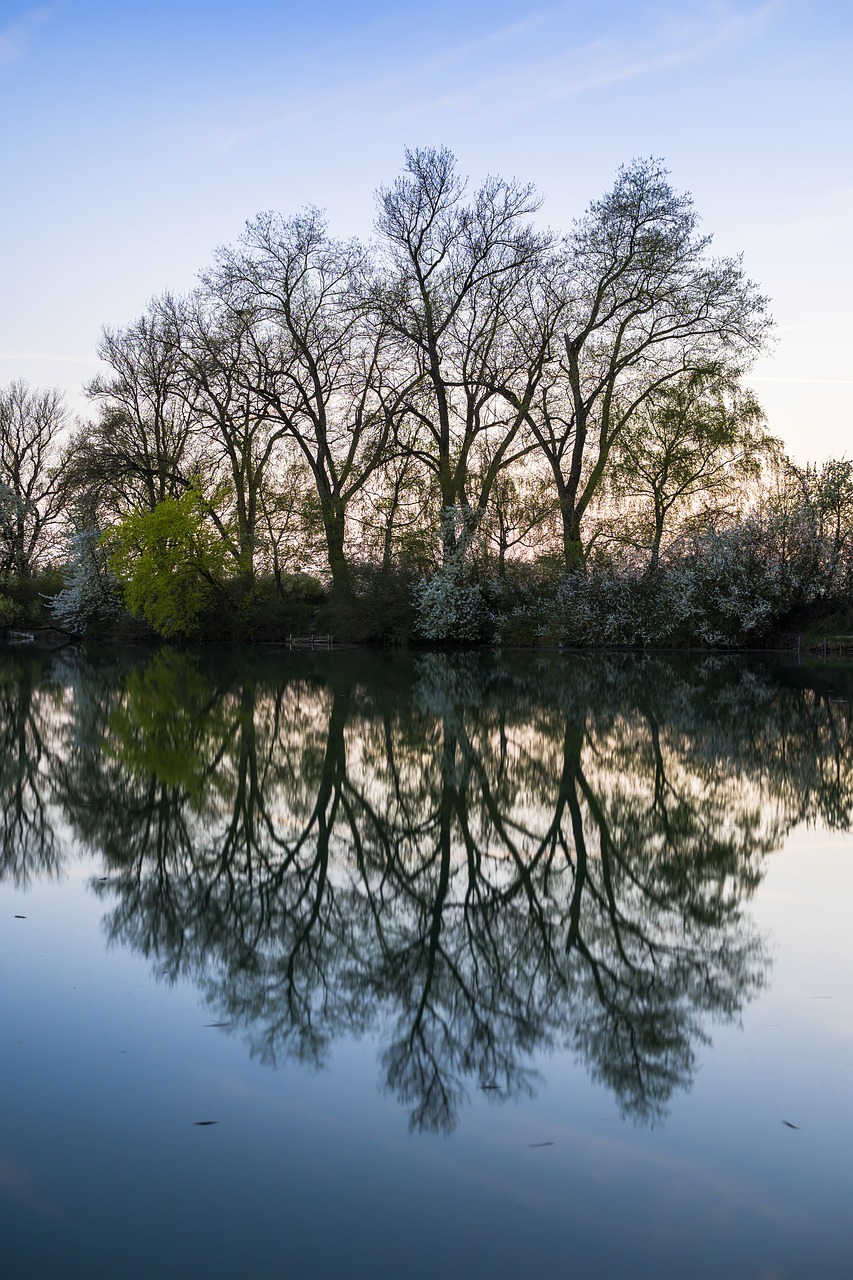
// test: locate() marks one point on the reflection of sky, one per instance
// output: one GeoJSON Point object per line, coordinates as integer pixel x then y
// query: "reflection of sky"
{"type": "Point", "coordinates": [136, 138]}
{"type": "Point", "coordinates": [103, 1072]}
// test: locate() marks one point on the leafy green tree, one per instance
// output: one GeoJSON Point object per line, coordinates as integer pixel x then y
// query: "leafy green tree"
{"type": "Point", "coordinates": [170, 563]}
{"type": "Point", "coordinates": [687, 450]}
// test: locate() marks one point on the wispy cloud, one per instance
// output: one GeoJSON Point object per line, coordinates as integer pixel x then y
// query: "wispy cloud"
{"type": "Point", "coordinates": [15, 38]}
{"type": "Point", "coordinates": [492, 41]}
{"type": "Point", "coordinates": [599, 64]}
{"type": "Point", "coordinates": [522, 67]}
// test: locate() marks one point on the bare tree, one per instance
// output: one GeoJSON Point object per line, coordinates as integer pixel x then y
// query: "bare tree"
{"type": "Point", "coordinates": [644, 305]}
{"type": "Point", "coordinates": [32, 486]}
{"type": "Point", "coordinates": [218, 378]}
{"type": "Point", "coordinates": [458, 277]}
{"type": "Point", "coordinates": [319, 367]}
{"type": "Point", "coordinates": [140, 450]}
{"type": "Point", "coordinates": [521, 515]}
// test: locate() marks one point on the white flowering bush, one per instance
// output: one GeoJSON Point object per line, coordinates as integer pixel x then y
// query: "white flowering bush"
{"type": "Point", "coordinates": [91, 594]}
{"type": "Point", "coordinates": [449, 606]}
{"type": "Point", "coordinates": [735, 586]}
{"type": "Point", "coordinates": [607, 607]}
{"type": "Point", "coordinates": [727, 591]}
{"type": "Point", "coordinates": [447, 609]}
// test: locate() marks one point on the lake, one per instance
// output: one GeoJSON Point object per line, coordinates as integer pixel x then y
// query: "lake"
{"type": "Point", "coordinates": [437, 965]}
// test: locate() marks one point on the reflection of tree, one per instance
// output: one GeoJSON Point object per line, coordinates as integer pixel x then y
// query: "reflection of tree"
{"type": "Point", "coordinates": [28, 711]}
{"type": "Point", "coordinates": [561, 917]}
{"type": "Point", "coordinates": [495, 859]}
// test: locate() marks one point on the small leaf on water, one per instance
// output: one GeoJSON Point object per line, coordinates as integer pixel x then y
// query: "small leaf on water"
{"type": "Point", "coordinates": [788, 1124]}
{"type": "Point", "coordinates": [541, 1144]}
{"type": "Point", "coordinates": [217, 1024]}
{"type": "Point", "coordinates": [202, 1124]}
{"type": "Point", "coordinates": [20, 917]}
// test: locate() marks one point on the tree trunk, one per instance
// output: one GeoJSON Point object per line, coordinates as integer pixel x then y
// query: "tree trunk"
{"type": "Point", "coordinates": [573, 553]}
{"type": "Point", "coordinates": [334, 526]}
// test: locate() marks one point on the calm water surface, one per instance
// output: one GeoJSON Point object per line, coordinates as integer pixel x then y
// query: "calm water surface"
{"type": "Point", "coordinates": [347, 965]}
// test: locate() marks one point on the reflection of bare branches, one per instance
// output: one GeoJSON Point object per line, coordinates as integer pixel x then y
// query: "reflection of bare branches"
{"type": "Point", "coordinates": [487, 861]}
{"type": "Point", "coordinates": [28, 714]}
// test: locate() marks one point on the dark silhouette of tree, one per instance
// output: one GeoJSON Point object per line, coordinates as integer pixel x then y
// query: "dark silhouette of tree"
{"type": "Point", "coordinates": [32, 483]}
{"type": "Point", "coordinates": [642, 305]}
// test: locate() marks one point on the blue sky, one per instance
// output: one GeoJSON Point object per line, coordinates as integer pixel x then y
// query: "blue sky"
{"type": "Point", "coordinates": [137, 137]}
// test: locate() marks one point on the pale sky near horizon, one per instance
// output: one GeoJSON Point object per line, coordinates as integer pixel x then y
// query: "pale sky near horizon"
{"type": "Point", "coordinates": [136, 138]}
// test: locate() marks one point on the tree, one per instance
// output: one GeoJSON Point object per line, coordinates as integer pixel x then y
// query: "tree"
{"type": "Point", "coordinates": [459, 278]}
{"type": "Point", "coordinates": [522, 508]}
{"type": "Point", "coordinates": [643, 306]}
{"type": "Point", "coordinates": [218, 378]}
{"type": "Point", "coordinates": [169, 562]}
{"type": "Point", "coordinates": [827, 495]}
{"type": "Point", "coordinates": [317, 366]}
{"type": "Point", "coordinates": [90, 593]}
{"type": "Point", "coordinates": [284, 513]}
{"type": "Point", "coordinates": [140, 450]}
{"type": "Point", "coordinates": [469, 390]}
{"type": "Point", "coordinates": [690, 443]}
{"type": "Point", "coordinates": [32, 486]}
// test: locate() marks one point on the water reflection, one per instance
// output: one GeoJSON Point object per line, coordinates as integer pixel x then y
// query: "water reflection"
{"type": "Point", "coordinates": [29, 702]}
{"type": "Point", "coordinates": [475, 860]}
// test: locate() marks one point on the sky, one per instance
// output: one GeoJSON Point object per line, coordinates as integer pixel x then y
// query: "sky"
{"type": "Point", "coordinates": [136, 138]}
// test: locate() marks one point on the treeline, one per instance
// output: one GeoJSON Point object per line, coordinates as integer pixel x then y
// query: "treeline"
{"type": "Point", "coordinates": [470, 428]}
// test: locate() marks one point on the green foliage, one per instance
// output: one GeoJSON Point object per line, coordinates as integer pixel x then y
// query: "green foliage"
{"type": "Point", "coordinates": [380, 609]}
{"type": "Point", "coordinates": [274, 608]}
{"type": "Point", "coordinates": [22, 600]}
{"type": "Point", "coordinates": [170, 564]}
{"type": "Point", "coordinates": [302, 587]}
{"type": "Point", "coordinates": [11, 613]}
